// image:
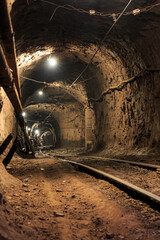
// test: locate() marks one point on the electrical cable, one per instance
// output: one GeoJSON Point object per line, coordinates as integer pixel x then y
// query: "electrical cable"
{"type": "Point", "coordinates": [100, 14]}
{"type": "Point", "coordinates": [33, 80]}
{"type": "Point", "coordinates": [50, 84]}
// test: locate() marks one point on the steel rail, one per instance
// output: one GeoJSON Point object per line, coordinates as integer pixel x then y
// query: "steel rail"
{"type": "Point", "coordinates": [144, 165]}
{"type": "Point", "coordinates": [135, 191]}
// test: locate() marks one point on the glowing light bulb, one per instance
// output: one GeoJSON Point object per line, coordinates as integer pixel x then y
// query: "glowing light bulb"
{"type": "Point", "coordinates": [23, 114]}
{"type": "Point", "coordinates": [92, 12]}
{"type": "Point", "coordinates": [29, 129]}
{"type": "Point", "coordinates": [40, 93]}
{"type": "Point", "coordinates": [52, 62]}
{"type": "Point", "coordinates": [37, 132]}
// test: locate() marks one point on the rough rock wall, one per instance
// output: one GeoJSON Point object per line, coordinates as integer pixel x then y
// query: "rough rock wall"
{"type": "Point", "coordinates": [130, 117]}
{"type": "Point", "coordinates": [71, 122]}
{"type": "Point", "coordinates": [126, 117]}
{"type": "Point", "coordinates": [150, 48]}
{"type": "Point", "coordinates": [7, 117]}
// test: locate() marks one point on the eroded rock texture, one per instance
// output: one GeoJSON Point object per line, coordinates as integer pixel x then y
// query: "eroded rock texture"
{"type": "Point", "coordinates": [7, 117]}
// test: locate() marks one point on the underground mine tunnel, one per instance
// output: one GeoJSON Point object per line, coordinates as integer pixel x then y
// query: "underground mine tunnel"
{"type": "Point", "coordinates": [78, 78]}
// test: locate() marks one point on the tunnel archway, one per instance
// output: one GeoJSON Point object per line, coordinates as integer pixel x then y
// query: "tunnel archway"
{"type": "Point", "coordinates": [44, 136]}
{"type": "Point", "coordinates": [48, 139]}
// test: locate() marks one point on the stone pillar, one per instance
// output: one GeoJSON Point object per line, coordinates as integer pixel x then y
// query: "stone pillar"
{"type": "Point", "coordinates": [90, 139]}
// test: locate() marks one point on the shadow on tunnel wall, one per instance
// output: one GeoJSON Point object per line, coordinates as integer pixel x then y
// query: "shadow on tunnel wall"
{"type": "Point", "coordinates": [57, 132]}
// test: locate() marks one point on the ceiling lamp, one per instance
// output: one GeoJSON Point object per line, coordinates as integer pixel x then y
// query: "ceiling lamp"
{"type": "Point", "coordinates": [23, 114]}
{"type": "Point", "coordinates": [37, 132]}
{"type": "Point", "coordinates": [92, 12]}
{"type": "Point", "coordinates": [52, 62]}
{"type": "Point", "coordinates": [40, 93]}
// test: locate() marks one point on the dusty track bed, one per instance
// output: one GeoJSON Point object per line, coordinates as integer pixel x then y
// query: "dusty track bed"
{"type": "Point", "coordinates": [55, 201]}
{"type": "Point", "coordinates": [141, 177]}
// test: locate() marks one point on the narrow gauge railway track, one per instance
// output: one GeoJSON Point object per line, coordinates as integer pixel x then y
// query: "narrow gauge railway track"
{"type": "Point", "coordinates": [154, 167]}
{"type": "Point", "coordinates": [136, 192]}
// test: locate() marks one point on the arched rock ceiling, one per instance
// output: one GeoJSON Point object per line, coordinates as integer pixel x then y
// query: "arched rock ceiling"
{"type": "Point", "coordinates": [33, 28]}
{"type": "Point", "coordinates": [54, 79]}
{"type": "Point", "coordinates": [59, 92]}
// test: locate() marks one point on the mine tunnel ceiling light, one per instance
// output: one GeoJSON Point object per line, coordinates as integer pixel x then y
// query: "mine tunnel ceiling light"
{"type": "Point", "coordinates": [37, 132]}
{"type": "Point", "coordinates": [40, 93]}
{"type": "Point", "coordinates": [52, 62]}
{"type": "Point", "coordinates": [23, 114]}
{"type": "Point", "coordinates": [92, 12]}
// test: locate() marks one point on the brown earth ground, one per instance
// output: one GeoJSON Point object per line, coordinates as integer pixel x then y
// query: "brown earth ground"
{"type": "Point", "coordinates": [48, 199]}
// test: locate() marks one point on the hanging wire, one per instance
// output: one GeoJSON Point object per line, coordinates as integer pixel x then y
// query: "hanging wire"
{"type": "Point", "coordinates": [50, 84]}
{"type": "Point", "coordinates": [56, 10]}
{"type": "Point", "coordinates": [33, 80]}
{"type": "Point", "coordinates": [100, 14]}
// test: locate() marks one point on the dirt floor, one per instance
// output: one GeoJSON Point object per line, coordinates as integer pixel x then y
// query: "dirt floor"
{"type": "Point", "coordinates": [48, 199]}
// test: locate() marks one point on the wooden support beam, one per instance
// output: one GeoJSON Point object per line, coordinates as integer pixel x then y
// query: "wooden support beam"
{"type": "Point", "coordinates": [9, 156]}
{"type": "Point", "coordinates": [5, 143]}
{"type": "Point", "coordinates": [8, 42]}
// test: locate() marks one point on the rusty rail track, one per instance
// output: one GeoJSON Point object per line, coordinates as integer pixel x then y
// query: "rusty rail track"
{"type": "Point", "coordinates": [136, 192]}
{"type": "Point", "coordinates": [139, 164]}
{"type": "Point", "coordinates": [153, 167]}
